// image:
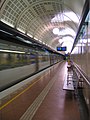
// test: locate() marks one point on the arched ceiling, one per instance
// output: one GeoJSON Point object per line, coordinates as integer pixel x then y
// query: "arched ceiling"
{"type": "Point", "coordinates": [38, 18]}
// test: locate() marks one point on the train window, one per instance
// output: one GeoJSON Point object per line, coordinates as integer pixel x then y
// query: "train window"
{"type": "Point", "coordinates": [3, 58]}
{"type": "Point", "coordinates": [18, 56]}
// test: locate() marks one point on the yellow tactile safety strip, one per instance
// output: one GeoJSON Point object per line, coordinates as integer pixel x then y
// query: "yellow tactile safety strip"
{"type": "Point", "coordinates": [3, 106]}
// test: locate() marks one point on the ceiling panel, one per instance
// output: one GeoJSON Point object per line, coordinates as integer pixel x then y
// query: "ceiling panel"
{"type": "Point", "coordinates": [38, 18]}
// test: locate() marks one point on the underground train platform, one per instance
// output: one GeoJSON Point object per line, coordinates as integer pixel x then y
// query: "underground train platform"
{"type": "Point", "coordinates": [44, 59]}
{"type": "Point", "coordinates": [42, 97]}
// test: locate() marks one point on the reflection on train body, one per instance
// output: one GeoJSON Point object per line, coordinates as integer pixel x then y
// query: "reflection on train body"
{"type": "Point", "coordinates": [18, 62]}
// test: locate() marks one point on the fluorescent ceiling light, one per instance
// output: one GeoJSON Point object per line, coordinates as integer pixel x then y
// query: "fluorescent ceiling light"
{"type": "Point", "coordinates": [68, 39]}
{"type": "Point", "coordinates": [79, 45]}
{"type": "Point", "coordinates": [56, 31]}
{"type": "Point", "coordinates": [21, 30]}
{"type": "Point", "coordinates": [7, 23]}
{"type": "Point", "coordinates": [39, 40]}
{"type": "Point", "coordinates": [29, 35]}
{"type": "Point", "coordinates": [60, 41]}
{"type": "Point", "coordinates": [10, 51]}
{"type": "Point", "coordinates": [66, 16]}
{"type": "Point", "coordinates": [72, 16]}
{"type": "Point", "coordinates": [35, 38]}
{"type": "Point", "coordinates": [84, 41]}
{"type": "Point", "coordinates": [68, 42]}
{"type": "Point", "coordinates": [67, 31]}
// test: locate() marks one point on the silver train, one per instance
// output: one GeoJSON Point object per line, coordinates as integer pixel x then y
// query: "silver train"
{"type": "Point", "coordinates": [21, 57]}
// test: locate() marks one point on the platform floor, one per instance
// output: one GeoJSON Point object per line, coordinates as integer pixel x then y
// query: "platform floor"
{"type": "Point", "coordinates": [43, 99]}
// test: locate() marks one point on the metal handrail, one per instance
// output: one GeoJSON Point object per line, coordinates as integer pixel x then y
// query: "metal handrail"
{"type": "Point", "coordinates": [78, 68]}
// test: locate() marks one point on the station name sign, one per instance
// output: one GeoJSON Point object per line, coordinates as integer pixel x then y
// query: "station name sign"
{"type": "Point", "coordinates": [61, 48]}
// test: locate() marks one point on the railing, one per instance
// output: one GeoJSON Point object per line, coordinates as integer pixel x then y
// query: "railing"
{"type": "Point", "coordinates": [83, 92]}
{"type": "Point", "coordinates": [81, 73]}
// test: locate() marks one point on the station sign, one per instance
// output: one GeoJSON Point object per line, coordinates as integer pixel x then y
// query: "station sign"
{"type": "Point", "coordinates": [61, 48]}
